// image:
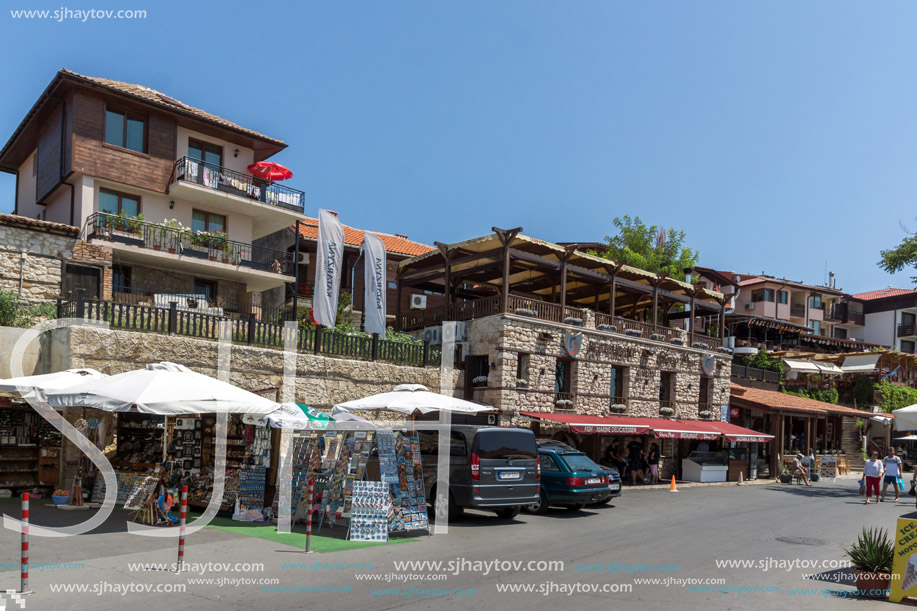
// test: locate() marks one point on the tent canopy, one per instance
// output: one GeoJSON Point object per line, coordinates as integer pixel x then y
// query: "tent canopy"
{"type": "Point", "coordinates": [411, 399]}
{"type": "Point", "coordinates": [906, 418]}
{"type": "Point", "coordinates": [801, 366]}
{"type": "Point", "coordinates": [860, 363]}
{"type": "Point", "coordinates": [15, 387]}
{"type": "Point", "coordinates": [162, 388]}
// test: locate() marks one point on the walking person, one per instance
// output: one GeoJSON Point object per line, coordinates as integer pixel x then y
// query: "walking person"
{"type": "Point", "coordinates": [892, 471]}
{"type": "Point", "coordinates": [653, 460]}
{"type": "Point", "coordinates": [872, 473]}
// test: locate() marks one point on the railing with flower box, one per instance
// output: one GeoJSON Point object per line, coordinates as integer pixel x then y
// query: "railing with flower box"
{"type": "Point", "coordinates": [667, 408]}
{"type": "Point", "coordinates": [617, 405]}
{"type": "Point", "coordinates": [238, 183]}
{"type": "Point", "coordinates": [564, 401]}
{"type": "Point", "coordinates": [173, 238]}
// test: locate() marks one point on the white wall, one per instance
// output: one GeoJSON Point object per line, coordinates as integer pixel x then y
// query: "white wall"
{"type": "Point", "coordinates": [239, 164]}
{"type": "Point", "coordinates": [881, 328]}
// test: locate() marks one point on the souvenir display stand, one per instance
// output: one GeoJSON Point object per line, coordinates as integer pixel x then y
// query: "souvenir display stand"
{"type": "Point", "coordinates": [29, 449]}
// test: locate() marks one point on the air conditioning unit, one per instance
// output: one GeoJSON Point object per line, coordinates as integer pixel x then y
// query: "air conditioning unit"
{"type": "Point", "coordinates": [434, 335]}
{"type": "Point", "coordinates": [304, 258]}
{"type": "Point", "coordinates": [461, 331]}
{"type": "Point", "coordinates": [750, 306]}
{"type": "Point", "coordinates": [418, 302]}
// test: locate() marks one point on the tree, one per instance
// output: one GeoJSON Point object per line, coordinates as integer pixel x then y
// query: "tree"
{"type": "Point", "coordinates": [901, 256]}
{"type": "Point", "coordinates": [652, 248]}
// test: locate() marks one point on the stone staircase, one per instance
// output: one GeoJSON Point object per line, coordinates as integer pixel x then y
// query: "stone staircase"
{"type": "Point", "coordinates": [850, 442]}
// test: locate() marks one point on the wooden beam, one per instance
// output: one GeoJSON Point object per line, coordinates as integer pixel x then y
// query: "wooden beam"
{"type": "Point", "coordinates": [447, 283]}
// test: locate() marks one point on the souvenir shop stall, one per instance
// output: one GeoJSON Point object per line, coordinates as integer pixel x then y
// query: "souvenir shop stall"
{"type": "Point", "coordinates": [370, 481]}
{"type": "Point", "coordinates": [30, 449]}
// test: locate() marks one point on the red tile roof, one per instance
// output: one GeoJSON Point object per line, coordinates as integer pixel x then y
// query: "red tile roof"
{"type": "Point", "coordinates": [308, 229]}
{"type": "Point", "coordinates": [883, 293]}
{"type": "Point", "coordinates": [13, 220]}
{"type": "Point", "coordinates": [782, 401]}
{"type": "Point", "coordinates": [161, 99]}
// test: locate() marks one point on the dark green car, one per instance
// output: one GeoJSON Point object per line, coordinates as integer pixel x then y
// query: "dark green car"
{"type": "Point", "coordinates": [571, 479]}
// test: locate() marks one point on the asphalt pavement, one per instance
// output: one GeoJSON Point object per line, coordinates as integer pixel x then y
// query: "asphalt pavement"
{"type": "Point", "coordinates": [718, 547]}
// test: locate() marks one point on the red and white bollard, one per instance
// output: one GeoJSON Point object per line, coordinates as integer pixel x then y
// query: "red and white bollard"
{"type": "Point", "coordinates": [181, 527]}
{"type": "Point", "coordinates": [310, 501]}
{"type": "Point", "coordinates": [24, 586]}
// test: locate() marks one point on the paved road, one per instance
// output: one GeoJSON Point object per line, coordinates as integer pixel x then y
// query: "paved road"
{"type": "Point", "coordinates": [686, 532]}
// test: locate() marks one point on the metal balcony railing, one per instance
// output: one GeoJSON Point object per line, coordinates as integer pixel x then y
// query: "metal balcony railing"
{"type": "Point", "coordinates": [183, 241]}
{"type": "Point", "coordinates": [223, 179]}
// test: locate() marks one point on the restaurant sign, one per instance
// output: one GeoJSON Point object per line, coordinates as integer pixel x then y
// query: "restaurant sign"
{"type": "Point", "coordinates": [686, 435]}
{"type": "Point", "coordinates": [609, 428]}
{"type": "Point", "coordinates": [573, 342]}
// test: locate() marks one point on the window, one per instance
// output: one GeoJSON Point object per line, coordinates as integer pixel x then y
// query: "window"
{"type": "Point", "coordinates": [814, 301]}
{"type": "Point", "coordinates": [762, 295]}
{"type": "Point", "coordinates": [907, 346]}
{"type": "Point", "coordinates": [704, 396]}
{"type": "Point", "coordinates": [522, 370]}
{"type": "Point", "coordinates": [908, 318]}
{"type": "Point", "coordinates": [125, 130]}
{"type": "Point", "coordinates": [815, 325]}
{"type": "Point", "coordinates": [120, 279]}
{"type": "Point", "coordinates": [840, 333]}
{"type": "Point", "coordinates": [208, 288]}
{"type": "Point", "coordinates": [563, 376]}
{"type": "Point", "coordinates": [207, 221]}
{"type": "Point", "coordinates": [206, 152]}
{"type": "Point", "coordinates": [548, 463]}
{"type": "Point", "coordinates": [78, 277]}
{"type": "Point", "coordinates": [118, 203]}
{"type": "Point", "coordinates": [618, 375]}
{"type": "Point", "coordinates": [665, 387]}
{"type": "Point", "coordinates": [783, 297]}
{"type": "Point", "coordinates": [429, 443]}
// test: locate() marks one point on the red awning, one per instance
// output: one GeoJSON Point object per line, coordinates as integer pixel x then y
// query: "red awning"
{"type": "Point", "coordinates": [661, 428]}
{"type": "Point", "coordinates": [579, 423]}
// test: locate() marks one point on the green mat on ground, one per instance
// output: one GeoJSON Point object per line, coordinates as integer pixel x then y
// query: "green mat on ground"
{"type": "Point", "coordinates": [269, 532]}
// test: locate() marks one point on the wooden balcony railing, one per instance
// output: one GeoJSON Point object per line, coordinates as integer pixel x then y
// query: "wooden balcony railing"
{"type": "Point", "coordinates": [907, 330]}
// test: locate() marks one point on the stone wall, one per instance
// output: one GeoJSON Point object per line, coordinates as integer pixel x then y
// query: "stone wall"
{"type": "Point", "coordinates": [321, 382]}
{"type": "Point", "coordinates": [171, 281]}
{"type": "Point", "coordinates": [31, 256]}
{"type": "Point", "coordinates": [503, 338]}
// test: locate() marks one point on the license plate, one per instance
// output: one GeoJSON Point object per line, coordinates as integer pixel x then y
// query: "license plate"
{"type": "Point", "coordinates": [614, 487]}
{"type": "Point", "coordinates": [593, 480]}
{"type": "Point", "coordinates": [509, 475]}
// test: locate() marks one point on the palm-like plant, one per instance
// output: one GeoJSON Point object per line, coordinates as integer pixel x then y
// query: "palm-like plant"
{"type": "Point", "coordinates": [873, 551]}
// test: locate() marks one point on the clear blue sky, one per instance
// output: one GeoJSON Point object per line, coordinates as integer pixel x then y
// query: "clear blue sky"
{"type": "Point", "coordinates": [780, 136]}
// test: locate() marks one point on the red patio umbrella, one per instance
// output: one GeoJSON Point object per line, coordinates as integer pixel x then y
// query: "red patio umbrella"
{"type": "Point", "coordinates": [269, 170]}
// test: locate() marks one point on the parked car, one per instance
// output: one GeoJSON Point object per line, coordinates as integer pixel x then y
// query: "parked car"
{"type": "Point", "coordinates": [490, 468]}
{"type": "Point", "coordinates": [571, 479]}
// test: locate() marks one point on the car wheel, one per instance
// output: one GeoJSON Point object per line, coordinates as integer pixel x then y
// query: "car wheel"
{"type": "Point", "coordinates": [603, 502]}
{"type": "Point", "coordinates": [508, 513]}
{"type": "Point", "coordinates": [576, 507]}
{"type": "Point", "coordinates": [455, 512]}
{"type": "Point", "coordinates": [541, 507]}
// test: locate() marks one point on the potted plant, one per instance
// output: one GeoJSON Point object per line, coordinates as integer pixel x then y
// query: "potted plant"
{"type": "Point", "coordinates": [871, 558]}
{"type": "Point", "coordinates": [785, 477]}
{"type": "Point", "coordinates": [618, 407]}
{"type": "Point", "coordinates": [573, 320]}
{"type": "Point", "coordinates": [666, 411]}
{"type": "Point", "coordinates": [633, 332]}
{"type": "Point", "coordinates": [700, 346]}
{"type": "Point", "coordinates": [724, 350]}
{"type": "Point", "coordinates": [522, 383]}
{"type": "Point", "coordinates": [677, 341]}
{"type": "Point", "coordinates": [611, 328]}
{"type": "Point", "coordinates": [706, 414]}
{"type": "Point", "coordinates": [479, 380]}
{"type": "Point", "coordinates": [135, 224]}
{"type": "Point", "coordinates": [658, 337]}
{"type": "Point", "coordinates": [526, 312]}
{"type": "Point", "coordinates": [564, 404]}
{"type": "Point", "coordinates": [226, 247]}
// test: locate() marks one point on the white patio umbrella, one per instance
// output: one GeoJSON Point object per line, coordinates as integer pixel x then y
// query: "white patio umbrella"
{"type": "Point", "coordinates": [411, 399]}
{"type": "Point", "coordinates": [907, 438]}
{"type": "Point", "coordinates": [298, 417]}
{"type": "Point", "coordinates": [906, 418]}
{"type": "Point", "coordinates": [46, 382]}
{"type": "Point", "coordinates": [162, 388]}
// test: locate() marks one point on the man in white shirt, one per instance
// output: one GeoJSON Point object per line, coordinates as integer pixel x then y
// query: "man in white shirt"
{"type": "Point", "coordinates": [801, 470]}
{"type": "Point", "coordinates": [892, 471]}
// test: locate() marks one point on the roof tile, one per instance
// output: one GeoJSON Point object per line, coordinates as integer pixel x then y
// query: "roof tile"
{"type": "Point", "coordinates": [308, 229]}
{"type": "Point", "coordinates": [883, 293]}
{"type": "Point", "coordinates": [783, 401]}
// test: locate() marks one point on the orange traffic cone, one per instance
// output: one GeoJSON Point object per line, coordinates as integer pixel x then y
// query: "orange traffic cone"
{"type": "Point", "coordinates": [672, 487]}
{"type": "Point", "coordinates": [741, 481]}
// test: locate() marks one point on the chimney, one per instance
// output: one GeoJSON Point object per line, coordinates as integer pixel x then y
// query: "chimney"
{"type": "Point", "coordinates": [333, 212]}
{"type": "Point", "coordinates": [401, 235]}
{"type": "Point", "coordinates": [830, 280]}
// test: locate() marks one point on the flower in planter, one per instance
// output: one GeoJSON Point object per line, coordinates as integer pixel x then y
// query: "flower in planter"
{"type": "Point", "coordinates": [700, 346]}
{"type": "Point", "coordinates": [677, 341]}
{"type": "Point", "coordinates": [666, 411]}
{"type": "Point", "coordinates": [564, 403]}
{"type": "Point", "coordinates": [634, 332]}
{"type": "Point", "coordinates": [659, 337]}
{"type": "Point", "coordinates": [618, 407]}
{"type": "Point", "coordinates": [522, 383]}
{"type": "Point", "coordinates": [525, 312]}
{"type": "Point", "coordinates": [479, 380]}
{"type": "Point", "coordinates": [724, 350]}
{"type": "Point", "coordinates": [705, 414]}
{"type": "Point", "coordinates": [573, 320]}
{"type": "Point", "coordinates": [611, 328]}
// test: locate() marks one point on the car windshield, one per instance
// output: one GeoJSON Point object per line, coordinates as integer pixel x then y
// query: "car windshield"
{"type": "Point", "coordinates": [580, 462]}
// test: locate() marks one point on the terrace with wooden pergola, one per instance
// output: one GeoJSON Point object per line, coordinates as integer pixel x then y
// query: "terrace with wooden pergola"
{"type": "Point", "coordinates": [508, 272]}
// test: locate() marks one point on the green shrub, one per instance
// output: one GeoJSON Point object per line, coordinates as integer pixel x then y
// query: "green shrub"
{"type": "Point", "coordinates": [895, 396]}
{"type": "Point", "coordinates": [873, 551]}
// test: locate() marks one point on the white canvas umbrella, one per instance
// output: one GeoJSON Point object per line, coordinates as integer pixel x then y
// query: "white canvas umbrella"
{"type": "Point", "coordinates": [298, 417]}
{"type": "Point", "coordinates": [906, 418]}
{"type": "Point", "coordinates": [411, 399]}
{"type": "Point", "coordinates": [162, 388]}
{"type": "Point", "coordinates": [46, 382]}
{"type": "Point", "coordinates": [907, 438]}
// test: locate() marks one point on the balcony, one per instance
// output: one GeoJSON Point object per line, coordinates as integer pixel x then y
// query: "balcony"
{"type": "Point", "coordinates": [843, 315]}
{"type": "Point", "coordinates": [798, 310]}
{"type": "Point", "coordinates": [907, 330]}
{"type": "Point", "coordinates": [272, 206]}
{"type": "Point", "coordinates": [181, 249]}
